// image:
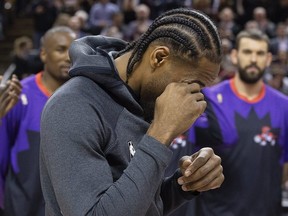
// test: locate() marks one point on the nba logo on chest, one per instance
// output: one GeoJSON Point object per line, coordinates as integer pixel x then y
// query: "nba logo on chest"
{"type": "Point", "coordinates": [131, 149]}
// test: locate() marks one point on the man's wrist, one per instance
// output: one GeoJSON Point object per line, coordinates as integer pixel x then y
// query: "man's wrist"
{"type": "Point", "coordinates": [162, 137]}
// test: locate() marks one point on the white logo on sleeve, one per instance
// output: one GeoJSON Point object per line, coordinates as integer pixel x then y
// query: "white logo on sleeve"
{"type": "Point", "coordinates": [24, 99]}
{"type": "Point", "coordinates": [219, 98]}
{"type": "Point", "coordinates": [131, 149]}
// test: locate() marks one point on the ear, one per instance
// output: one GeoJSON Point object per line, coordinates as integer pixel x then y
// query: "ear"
{"type": "Point", "coordinates": [269, 59]}
{"type": "Point", "coordinates": [43, 55]}
{"type": "Point", "coordinates": [159, 56]}
{"type": "Point", "coordinates": [233, 56]}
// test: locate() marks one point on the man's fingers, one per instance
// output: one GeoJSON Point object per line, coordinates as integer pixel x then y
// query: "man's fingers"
{"type": "Point", "coordinates": [193, 88]}
{"type": "Point", "coordinates": [5, 100]}
{"type": "Point", "coordinates": [199, 97]}
{"type": "Point", "coordinates": [15, 85]}
{"type": "Point", "coordinates": [202, 157]}
{"type": "Point", "coordinates": [184, 163]}
{"type": "Point", "coordinates": [202, 106]}
{"type": "Point", "coordinates": [212, 180]}
{"type": "Point", "coordinates": [203, 173]}
{"type": "Point", "coordinates": [216, 183]}
{"type": "Point", "coordinates": [4, 94]}
{"type": "Point", "coordinates": [213, 184]}
{"type": "Point", "coordinates": [207, 181]}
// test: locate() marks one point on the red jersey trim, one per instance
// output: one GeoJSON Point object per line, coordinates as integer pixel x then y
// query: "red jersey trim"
{"type": "Point", "coordinates": [255, 100]}
{"type": "Point", "coordinates": [40, 84]}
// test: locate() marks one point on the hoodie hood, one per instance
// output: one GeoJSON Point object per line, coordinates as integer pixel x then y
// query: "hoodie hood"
{"type": "Point", "coordinates": [92, 57]}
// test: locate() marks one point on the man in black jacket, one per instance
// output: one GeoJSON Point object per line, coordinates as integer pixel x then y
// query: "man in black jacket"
{"type": "Point", "coordinates": [105, 133]}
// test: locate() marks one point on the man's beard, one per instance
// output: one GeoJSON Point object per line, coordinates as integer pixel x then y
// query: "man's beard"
{"type": "Point", "coordinates": [250, 78]}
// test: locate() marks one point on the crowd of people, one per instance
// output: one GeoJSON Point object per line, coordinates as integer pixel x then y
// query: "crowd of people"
{"type": "Point", "coordinates": [128, 19]}
{"type": "Point", "coordinates": [151, 65]}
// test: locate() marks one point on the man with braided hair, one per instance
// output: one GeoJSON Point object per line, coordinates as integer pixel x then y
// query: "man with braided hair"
{"type": "Point", "coordinates": [105, 134]}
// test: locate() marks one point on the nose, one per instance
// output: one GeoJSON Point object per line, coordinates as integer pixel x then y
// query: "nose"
{"type": "Point", "coordinates": [253, 57]}
{"type": "Point", "coordinates": [66, 56]}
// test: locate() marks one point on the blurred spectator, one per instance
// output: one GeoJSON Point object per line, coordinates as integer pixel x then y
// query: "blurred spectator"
{"type": "Point", "coordinates": [251, 24]}
{"type": "Point", "coordinates": [218, 5]}
{"type": "Point", "coordinates": [22, 47]}
{"type": "Point", "coordinates": [279, 13]}
{"type": "Point", "coordinates": [170, 4]}
{"type": "Point", "coordinates": [7, 15]}
{"type": "Point", "coordinates": [83, 16]}
{"type": "Point", "coordinates": [227, 27]}
{"type": "Point", "coordinates": [277, 78]}
{"type": "Point", "coordinates": [281, 59]}
{"type": "Point", "coordinates": [280, 42]}
{"type": "Point", "coordinates": [227, 68]}
{"type": "Point", "coordinates": [85, 5]}
{"type": "Point", "coordinates": [265, 25]}
{"type": "Point", "coordinates": [75, 23]}
{"type": "Point", "coordinates": [276, 75]}
{"type": "Point", "coordinates": [117, 28]}
{"type": "Point", "coordinates": [204, 6]}
{"type": "Point", "coordinates": [128, 9]}
{"type": "Point", "coordinates": [154, 7]}
{"type": "Point", "coordinates": [70, 6]}
{"type": "Point", "coordinates": [159, 6]}
{"type": "Point", "coordinates": [44, 15]}
{"type": "Point", "coordinates": [62, 19]}
{"type": "Point", "coordinates": [101, 14]}
{"type": "Point", "coordinates": [245, 9]}
{"type": "Point", "coordinates": [137, 27]}
{"type": "Point", "coordinates": [25, 58]}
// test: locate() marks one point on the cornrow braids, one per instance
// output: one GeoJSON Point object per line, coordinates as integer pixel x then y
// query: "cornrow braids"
{"type": "Point", "coordinates": [182, 20]}
{"type": "Point", "coordinates": [199, 15]}
{"type": "Point", "coordinates": [201, 19]}
{"type": "Point", "coordinates": [176, 39]}
{"type": "Point", "coordinates": [189, 33]}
